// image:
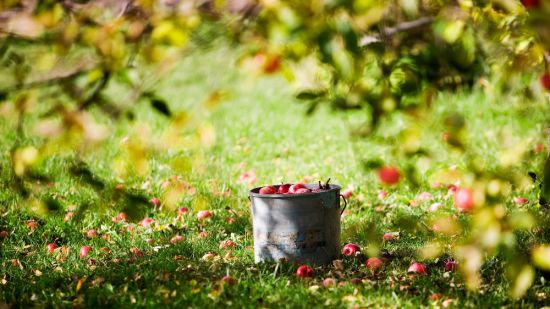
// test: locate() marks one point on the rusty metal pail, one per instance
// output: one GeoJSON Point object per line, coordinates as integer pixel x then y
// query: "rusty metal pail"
{"type": "Point", "coordinates": [297, 227]}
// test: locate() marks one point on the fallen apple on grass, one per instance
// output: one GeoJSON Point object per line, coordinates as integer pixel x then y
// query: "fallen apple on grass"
{"type": "Point", "coordinates": [176, 239]}
{"type": "Point", "coordinates": [84, 250]}
{"type": "Point", "coordinates": [450, 265]}
{"type": "Point", "coordinates": [350, 249]}
{"type": "Point", "coordinates": [204, 214]}
{"type": "Point", "coordinates": [146, 222]}
{"type": "Point", "coordinates": [228, 280]}
{"type": "Point", "coordinates": [305, 271]}
{"type": "Point", "coordinates": [51, 247]}
{"type": "Point", "coordinates": [464, 199]}
{"type": "Point", "coordinates": [91, 233]}
{"type": "Point", "coordinates": [226, 244]}
{"type": "Point", "coordinates": [328, 282]}
{"type": "Point", "coordinates": [418, 268]}
{"type": "Point", "coordinates": [155, 202]}
{"type": "Point", "coordinates": [374, 263]}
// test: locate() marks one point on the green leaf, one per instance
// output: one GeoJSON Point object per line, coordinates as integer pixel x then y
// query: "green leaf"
{"type": "Point", "coordinates": [158, 103]}
{"type": "Point", "coordinates": [161, 107]}
{"type": "Point", "coordinates": [372, 164]}
{"type": "Point", "coordinates": [312, 107]}
{"type": "Point", "coordinates": [545, 192]}
{"type": "Point", "coordinates": [51, 204]}
{"type": "Point", "coordinates": [310, 94]}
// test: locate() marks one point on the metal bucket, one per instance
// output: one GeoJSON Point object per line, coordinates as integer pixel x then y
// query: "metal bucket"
{"type": "Point", "coordinates": [297, 227]}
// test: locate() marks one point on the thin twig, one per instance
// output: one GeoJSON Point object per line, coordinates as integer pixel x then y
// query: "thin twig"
{"type": "Point", "coordinates": [95, 95]}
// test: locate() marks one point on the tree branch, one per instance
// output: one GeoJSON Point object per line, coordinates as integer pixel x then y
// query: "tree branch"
{"type": "Point", "coordinates": [390, 31]}
{"type": "Point", "coordinates": [50, 80]}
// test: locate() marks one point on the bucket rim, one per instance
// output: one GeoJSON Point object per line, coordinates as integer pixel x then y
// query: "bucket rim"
{"type": "Point", "coordinates": [333, 188]}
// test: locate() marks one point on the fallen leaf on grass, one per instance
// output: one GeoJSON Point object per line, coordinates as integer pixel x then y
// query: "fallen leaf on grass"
{"type": "Point", "coordinates": [338, 264]}
{"type": "Point", "coordinates": [79, 283]}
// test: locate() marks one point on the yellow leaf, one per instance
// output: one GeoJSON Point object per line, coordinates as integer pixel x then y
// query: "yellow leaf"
{"type": "Point", "coordinates": [24, 157]}
{"type": "Point", "coordinates": [523, 281]}
{"type": "Point", "coordinates": [541, 257]}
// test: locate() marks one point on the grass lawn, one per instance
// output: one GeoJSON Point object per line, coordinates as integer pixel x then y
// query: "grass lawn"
{"type": "Point", "coordinates": [259, 126]}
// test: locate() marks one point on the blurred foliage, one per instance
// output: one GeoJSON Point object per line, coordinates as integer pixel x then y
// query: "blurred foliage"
{"type": "Point", "coordinates": [385, 57]}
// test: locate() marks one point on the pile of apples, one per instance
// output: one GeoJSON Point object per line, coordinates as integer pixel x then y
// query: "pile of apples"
{"type": "Point", "coordinates": [297, 188]}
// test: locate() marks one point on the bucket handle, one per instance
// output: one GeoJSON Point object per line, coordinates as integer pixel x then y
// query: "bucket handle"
{"type": "Point", "coordinates": [345, 204]}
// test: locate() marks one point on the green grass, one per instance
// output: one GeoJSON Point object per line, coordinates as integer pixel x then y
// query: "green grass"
{"type": "Point", "coordinates": [260, 124]}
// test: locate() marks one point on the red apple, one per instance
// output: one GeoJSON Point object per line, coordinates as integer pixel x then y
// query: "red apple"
{"type": "Point", "coordinates": [390, 236]}
{"type": "Point", "coordinates": [452, 189]}
{"type": "Point", "coordinates": [531, 4]}
{"type": "Point", "coordinates": [203, 214]}
{"type": "Point", "coordinates": [464, 199]}
{"type": "Point", "coordinates": [208, 256]}
{"type": "Point", "coordinates": [268, 190]}
{"type": "Point", "coordinates": [84, 251]}
{"type": "Point", "coordinates": [445, 136]}
{"type": "Point", "coordinates": [350, 249]}
{"type": "Point", "coordinates": [545, 81]}
{"type": "Point", "coordinates": [230, 220]}
{"type": "Point", "coordinates": [228, 280]}
{"type": "Point", "coordinates": [424, 196]}
{"type": "Point", "coordinates": [226, 244]}
{"type": "Point", "coordinates": [302, 190]}
{"type": "Point", "coordinates": [146, 222]}
{"type": "Point", "coordinates": [450, 265]}
{"type": "Point", "coordinates": [305, 271]}
{"type": "Point", "coordinates": [272, 64]}
{"type": "Point", "coordinates": [347, 193]}
{"type": "Point", "coordinates": [283, 189]}
{"type": "Point", "coordinates": [417, 268]}
{"type": "Point", "coordinates": [51, 247]}
{"type": "Point", "coordinates": [435, 296]}
{"type": "Point", "coordinates": [374, 263]}
{"type": "Point", "coordinates": [176, 239]}
{"type": "Point", "coordinates": [520, 201]}
{"type": "Point", "coordinates": [136, 252]}
{"type": "Point", "coordinates": [388, 175]}
{"type": "Point", "coordinates": [328, 282]}
{"type": "Point", "coordinates": [120, 217]}
{"type": "Point", "coordinates": [155, 202]}
{"type": "Point", "coordinates": [68, 216]}
{"type": "Point", "coordinates": [293, 188]}
{"type": "Point", "coordinates": [91, 233]}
